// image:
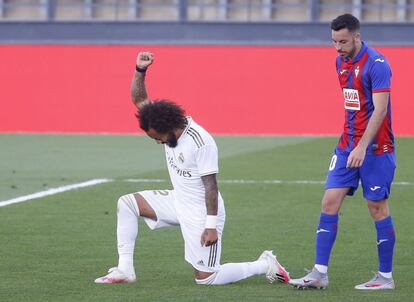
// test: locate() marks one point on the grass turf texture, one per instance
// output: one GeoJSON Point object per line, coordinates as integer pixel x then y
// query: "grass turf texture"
{"type": "Point", "coordinates": [52, 248]}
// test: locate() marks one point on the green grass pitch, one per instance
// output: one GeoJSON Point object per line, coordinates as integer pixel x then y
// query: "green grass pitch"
{"type": "Point", "coordinates": [52, 248]}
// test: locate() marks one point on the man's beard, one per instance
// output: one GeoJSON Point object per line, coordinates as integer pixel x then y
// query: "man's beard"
{"type": "Point", "coordinates": [352, 53]}
{"type": "Point", "coordinates": [172, 140]}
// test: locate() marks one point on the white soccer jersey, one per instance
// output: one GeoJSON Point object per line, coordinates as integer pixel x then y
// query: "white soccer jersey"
{"type": "Point", "coordinates": [195, 155]}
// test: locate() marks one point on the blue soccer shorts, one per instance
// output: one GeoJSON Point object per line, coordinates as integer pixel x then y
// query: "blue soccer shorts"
{"type": "Point", "coordinates": [376, 174]}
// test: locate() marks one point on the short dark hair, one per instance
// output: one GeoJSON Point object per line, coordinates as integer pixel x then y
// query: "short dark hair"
{"type": "Point", "coordinates": [163, 116]}
{"type": "Point", "coordinates": [347, 21]}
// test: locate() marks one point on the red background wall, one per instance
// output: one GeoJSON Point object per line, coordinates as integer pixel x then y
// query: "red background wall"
{"type": "Point", "coordinates": [229, 90]}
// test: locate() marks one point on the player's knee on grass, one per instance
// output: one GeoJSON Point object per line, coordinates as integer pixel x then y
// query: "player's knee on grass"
{"type": "Point", "coordinates": [207, 281]}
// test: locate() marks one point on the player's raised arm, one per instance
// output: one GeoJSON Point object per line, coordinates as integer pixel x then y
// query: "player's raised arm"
{"type": "Point", "coordinates": [138, 90]}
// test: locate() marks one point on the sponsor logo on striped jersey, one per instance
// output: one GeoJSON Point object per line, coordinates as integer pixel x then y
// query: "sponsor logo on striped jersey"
{"type": "Point", "coordinates": [351, 97]}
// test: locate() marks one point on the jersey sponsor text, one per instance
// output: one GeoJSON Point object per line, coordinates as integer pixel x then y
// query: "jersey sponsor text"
{"type": "Point", "coordinates": [351, 98]}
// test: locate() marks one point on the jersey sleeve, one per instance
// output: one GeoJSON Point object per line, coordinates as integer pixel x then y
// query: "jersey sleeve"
{"type": "Point", "coordinates": [207, 160]}
{"type": "Point", "coordinates": [380, 76]}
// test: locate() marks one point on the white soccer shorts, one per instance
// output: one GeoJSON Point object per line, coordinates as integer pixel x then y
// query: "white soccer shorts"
{"type": "Point", "coordinates": [204, 259]}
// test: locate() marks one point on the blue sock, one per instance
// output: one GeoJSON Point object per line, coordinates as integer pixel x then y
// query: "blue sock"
{"type": "Point", "coordinates": [385, 243]}
{"type": "Point", "coordinates": [325, 237]}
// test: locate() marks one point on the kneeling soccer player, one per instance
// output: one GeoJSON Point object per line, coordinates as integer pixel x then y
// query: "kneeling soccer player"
{"type": "Point", "coordinates": [195, 204]}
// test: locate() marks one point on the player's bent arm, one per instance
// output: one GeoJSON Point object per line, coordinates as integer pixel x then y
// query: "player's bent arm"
{"type": "Point", "coordinates": [380, 100]}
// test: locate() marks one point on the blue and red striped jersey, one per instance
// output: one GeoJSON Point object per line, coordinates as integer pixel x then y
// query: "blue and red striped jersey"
{"type": "Point", "coordinates": [361, 77]}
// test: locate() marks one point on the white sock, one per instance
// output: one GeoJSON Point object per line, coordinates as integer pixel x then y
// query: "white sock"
{"type": "Point", "coordinates": [323, 269]}
{"type": "Point", "coordinates": [233, 272]}
{"type": "Point", "coordinates": [127, 231]}
{"type": "Point", "coordinates": [386, 275]}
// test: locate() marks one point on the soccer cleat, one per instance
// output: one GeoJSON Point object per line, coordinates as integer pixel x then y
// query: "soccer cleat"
{"type": "Point", "coordinates": [378, 282]}
{"type": "Point", "coordinates": [314, 279]}
{"type": "Point", "coordinates": [275, 271]}
{"type": "Point", "coordinates": [116, 276]}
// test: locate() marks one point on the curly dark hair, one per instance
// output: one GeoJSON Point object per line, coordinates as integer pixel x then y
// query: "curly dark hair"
{"type": "Point", "coordinates": [163, 116]}
{"type": "Point", "coordinates": [347, 21]}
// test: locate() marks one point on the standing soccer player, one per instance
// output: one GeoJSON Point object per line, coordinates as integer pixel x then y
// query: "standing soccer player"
{"type": "Point", "coordinates": [195, 204]}
{"type": "Point", "coordinates": [365, 152]}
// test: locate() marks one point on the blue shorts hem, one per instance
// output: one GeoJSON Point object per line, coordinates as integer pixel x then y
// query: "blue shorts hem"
{"type": "Point", "coordinates": [350, 192]}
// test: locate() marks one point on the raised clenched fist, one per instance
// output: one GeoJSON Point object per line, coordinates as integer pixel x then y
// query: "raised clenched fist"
{"type": "Point", "coordinates": [144, 59]}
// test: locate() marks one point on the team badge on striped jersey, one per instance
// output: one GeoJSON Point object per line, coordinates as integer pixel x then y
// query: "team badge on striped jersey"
{"type": "Point", "coordinates": [356, 71]}
{"type": "Point", "coordinates": [351, 97]}
{"type": "Point", "coordinates": [181, 158]}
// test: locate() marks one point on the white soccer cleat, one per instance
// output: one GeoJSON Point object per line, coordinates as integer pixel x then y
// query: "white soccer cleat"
{"type": "Point", "coordinates": [116, 276]}
{"type": "Point", "coordinates": [275, 271]}
{"type": "Point", "coordinates": [313, 279]}
{"type": "Point", "coordinates": [378, 282]}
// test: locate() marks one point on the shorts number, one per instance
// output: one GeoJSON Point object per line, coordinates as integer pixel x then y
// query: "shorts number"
{"type": "Point", "coordinates": [333, 162]}
{"type": "Point", "coordinates": [161, 192]}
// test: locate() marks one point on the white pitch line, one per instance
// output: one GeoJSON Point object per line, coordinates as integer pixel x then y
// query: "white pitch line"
{"type": "Point", "coordinates": [257, 181]}
{"type": "Point", "coordinates": [53, 191]}
{"type": "Point", "coordinates": [94, 182]}
{"type": "Point", "coordinates": [143, 180]}
{"type": "Point", "coordinates": [270, 181]}
{"type": "Point", "coordinates": [238, 181]}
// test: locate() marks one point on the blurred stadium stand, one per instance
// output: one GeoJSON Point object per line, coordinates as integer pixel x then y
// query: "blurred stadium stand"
{"type": "Point", "coordinates": [199, 21]}
{"type": "Point", "coordinates": [205, 10]}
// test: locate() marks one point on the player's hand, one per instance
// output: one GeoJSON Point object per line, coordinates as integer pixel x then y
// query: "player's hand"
{"type": "Point", "coordinates": [144, 59]}
{"type": "Point", "coordinates": [356, 157]}
{"type": "Point", "coordinates": [209, 237]}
